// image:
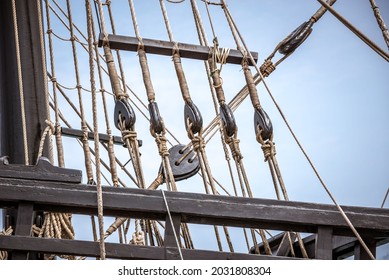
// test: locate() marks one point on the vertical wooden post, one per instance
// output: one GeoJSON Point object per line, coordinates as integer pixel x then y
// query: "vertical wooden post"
{"type": "Point", "coordinates": [359, 251]}
{"type": "Point", "coordinates": [33, 82]}
{"type": "Point", "coordinates": [171, 250]}
{"type": "Point", "coordinates": [23, 226]}
{"type": "Point", "coordinates": [323, 246]}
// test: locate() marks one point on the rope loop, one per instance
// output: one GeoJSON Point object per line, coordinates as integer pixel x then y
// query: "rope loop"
{"type": "Point", "coordinates": [130, 135]}
{"type": "Point", "coordinates": [269, 150]}
{"type": "Point", "coordinates": [138, 238]}
{"type": "Point", "coordinates": [161, 144]}
{"type": "Point", "coordinates": [233, 142]}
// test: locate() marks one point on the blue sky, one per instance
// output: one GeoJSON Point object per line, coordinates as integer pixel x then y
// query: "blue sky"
{"type": "Point", "coordinates": [333, 90]}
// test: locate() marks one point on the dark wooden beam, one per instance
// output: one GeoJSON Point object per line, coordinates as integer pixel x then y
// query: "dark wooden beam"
{"type": "Point", "coordinates": [23, 226]}
{"type": "Point", "coordinates": [170, 243]}
{"type": "Point", "coordinates": [42, 171]}
{"type": "Point", "coordinates": [284, 247]}
{"type": "Point", "coordinates": [360, 253]}
{"type": "Point", "coordinates": [323, 245]}
{"type": "Point", "coordinates": [160, 47]}
{"type": "Point", "coordinates": [115, 250]}
{"type": "Point", "coordinates": [196, 208]}
{"type": "Point", "coordinates": [77, 133]}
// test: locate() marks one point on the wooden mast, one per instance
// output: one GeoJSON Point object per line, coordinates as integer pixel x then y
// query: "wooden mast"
{"type": "Point", "coordinates": [29, 22]}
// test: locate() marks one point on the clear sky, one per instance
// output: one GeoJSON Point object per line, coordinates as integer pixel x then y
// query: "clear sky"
{"type": "Point", "coordinates": [333, 90]}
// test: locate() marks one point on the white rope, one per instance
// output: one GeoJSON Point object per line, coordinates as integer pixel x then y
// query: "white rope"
{"type": "Point", "coordinates": [20, 81]}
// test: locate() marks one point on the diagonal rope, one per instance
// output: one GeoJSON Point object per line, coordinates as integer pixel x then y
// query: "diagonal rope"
{"type": "Point", "coordinates": [340, 209]}
{"type": "Point", "coordinates": [380, 21]}
{"type": "Point", "coordinates": [358, 33]}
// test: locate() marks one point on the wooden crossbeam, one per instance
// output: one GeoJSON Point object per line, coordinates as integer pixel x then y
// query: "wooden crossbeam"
{"type": "Point", "coordinates": [160, 47]}
{"type": "Point", "coordinates": [115, 250]}
{"type": "Point", "coordinates": [195, 208]}
{"type": "Point", "coordinates": [76, 133]}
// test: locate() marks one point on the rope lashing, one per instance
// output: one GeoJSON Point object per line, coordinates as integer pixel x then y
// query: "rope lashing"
{"type": "Point", "coordinates": [157, 127]}
{"type": "Point", "coordinates": [8, 231]}
{"type": "Point", "coordinates": [192, 117]}
{"type": "Point", "coordinates": [267, 68]}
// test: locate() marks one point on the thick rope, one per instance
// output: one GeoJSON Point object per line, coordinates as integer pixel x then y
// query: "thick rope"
{"type": "Point", "coordinates": [87, 156]}
{"type": "Point", "coordinates": [380, 21]}
{"type": "Point", "coordinates": [95, 128]}
{"type": "Point", "coordinates": [358, 33]}
{"type": "Point", "coordinates": [46, 90]}
{"type": "Point", "coordinates": [4, 254]}
{"type": "Point", "coordinates": [297, 141]}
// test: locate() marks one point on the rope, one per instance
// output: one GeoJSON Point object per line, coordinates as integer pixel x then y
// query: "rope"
{"type": "Point", "coordinates": [46, 91]}
{"type": "Point", "coordinates": [95, 129]}
{"type": "Point", "coordinates": [20, 83]}
{"type": "Point", "coordinates": [386, 196]}
{"type": "Point", "coordinates": [87, 157]}
{"type": "Point", "coordinates": [4, 254]}
{"type": "Point", "coordinates": [110, 146]}
{"type": "Point", "coordinates": [359, 34]}
{"type": "Point", "coordinates": [48, 130]}
{"type": "Point", "coordinates": [58, 138]}
{"type": "Point", "coordinates": [298, 142]}
{"type": "Point", "coordinates": [55, 225]}
{"type": "Point", "coordinates": [380, 21]}
{"type": "Point", "coordinates": [159, 138]}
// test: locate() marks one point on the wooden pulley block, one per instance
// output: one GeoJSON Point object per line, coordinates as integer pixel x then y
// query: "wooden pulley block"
{"type": "Point", "coordinates": [262, 124]}
{"type": "Point", "coordinates": [124, 112]}
{"type": "Point", "coordinates": [184, 164]}
{"type": "Point", "coordinates": [193, 116]}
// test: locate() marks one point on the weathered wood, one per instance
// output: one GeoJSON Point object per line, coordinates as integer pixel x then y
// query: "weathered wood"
{"type": "Point", "coordinates": [284, 247]}
{"type": "Point", "coordinates": [196, 208]}
{"type": "Point", "coordinates": [42, 171]}
{"type": "Point", "coordinates": [23, 226]}
{"type": "Point", "coordinates": [360, 253]}
{"type": "Point", "coordinates": [169, 239]}
{"type": "Point", "coordinates": [115, 250]}
{"type": "Point", "coordinates": [160, 47]}
{"type": "Point", "coordinates": [323, 245]}
{"type": "Point", "coordinates": [76, 133]}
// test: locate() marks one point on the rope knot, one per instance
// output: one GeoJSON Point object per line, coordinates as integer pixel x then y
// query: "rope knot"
{"type": "Point", "coordinates": [129, 134]}
{"type": "Point", "coordinates": [198, 143]}
{"type": "Point", "coordinates": [235, 150]}
{"type": "Point", "coordinates": [267, 68]}
{"type": "Point", "coordinates": [162, 147]}
{"type": "Point", "coordinates": [269, 150]}
{"type": "Point", "coordinates": [138, 238]}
